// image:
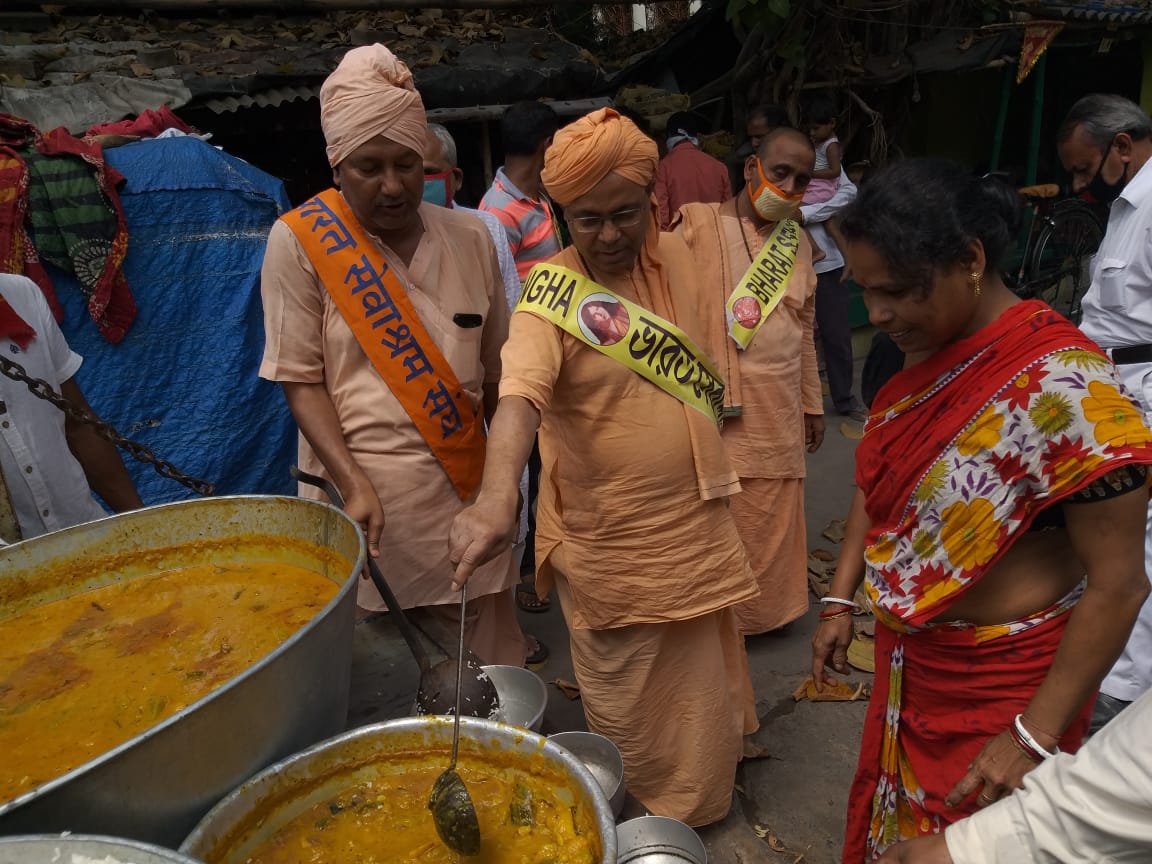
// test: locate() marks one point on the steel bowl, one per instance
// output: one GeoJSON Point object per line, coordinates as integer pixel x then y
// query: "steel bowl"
{"type": "Point", "coordinates": [602, 759]}
{"type": "Point", "coordinates": [253, 813]}
{"type": "Point", "coordinates": [523, 696]}
{"type": "Point", "coordinates": [658, 840]}
{"type": "Point", "coordinates": [155, 787]}
{"type": "Point", "coordinates": [72, 848]}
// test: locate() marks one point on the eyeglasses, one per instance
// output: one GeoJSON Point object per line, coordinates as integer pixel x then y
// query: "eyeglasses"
{"type": "Point", "coordinates": [629, 218]}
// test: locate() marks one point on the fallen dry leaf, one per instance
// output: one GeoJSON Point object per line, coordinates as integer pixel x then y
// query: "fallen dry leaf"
{"type": "Point", "coordinates": [852, 431]}
{"type": "Point", "coordinates": [819, 585]}
{"type": "Point", "coordinates": [768, 837]}
{"type": "Point", "coordinates": [834, 531]}
{"type": "Point", "coordinates": [834, 691]}
{"type": "Point", "coordinates": [569, 688]}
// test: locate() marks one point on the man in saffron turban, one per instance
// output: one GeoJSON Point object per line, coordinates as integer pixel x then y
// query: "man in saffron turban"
{"type": "Point", "coordinates": [633, 528]}
{"type": "Point", "coordinates": [384, 319]}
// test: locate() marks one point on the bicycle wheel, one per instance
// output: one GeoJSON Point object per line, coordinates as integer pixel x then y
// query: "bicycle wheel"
{"type": "Point", "coordinates": [1058, 271]}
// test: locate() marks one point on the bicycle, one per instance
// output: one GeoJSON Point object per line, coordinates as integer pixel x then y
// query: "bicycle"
{"type": "Point", "coordinates": [1060, 236]}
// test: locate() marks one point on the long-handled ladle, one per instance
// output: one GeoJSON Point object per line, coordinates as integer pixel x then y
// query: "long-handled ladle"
{"type": "Point", "coordinates": [440, 685]}
{"type": "Point", "coordinates": [452, 809]}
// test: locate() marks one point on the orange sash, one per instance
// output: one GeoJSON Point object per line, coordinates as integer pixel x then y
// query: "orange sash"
{"type": "Point", "coordinates": [375, 305]}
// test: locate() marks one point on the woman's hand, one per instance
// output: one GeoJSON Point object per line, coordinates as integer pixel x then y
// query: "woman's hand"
{"type": "Point", "coordinates": [830, 648]}
{"type": "Point", "coordinates": [922, 850]}
{"type": "Point", "coordinates": [997, 771]}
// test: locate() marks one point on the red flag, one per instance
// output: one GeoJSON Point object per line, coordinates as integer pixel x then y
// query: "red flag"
{"type": "Point", "coordinates": [1037, 38]}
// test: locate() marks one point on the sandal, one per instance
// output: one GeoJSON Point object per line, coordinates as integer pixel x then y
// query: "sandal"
{"type": "Point", "coordinates": [528, 601]}
{"type": "Point", "coordinates": [536, 655]}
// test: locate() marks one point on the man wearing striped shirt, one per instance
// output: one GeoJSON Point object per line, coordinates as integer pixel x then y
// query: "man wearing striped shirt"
{"type": "Point", "coordinates": [516, 197]}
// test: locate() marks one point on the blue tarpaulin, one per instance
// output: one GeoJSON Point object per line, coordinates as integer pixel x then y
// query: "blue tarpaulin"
{"type": "Point", "coordinates": [184, 379]}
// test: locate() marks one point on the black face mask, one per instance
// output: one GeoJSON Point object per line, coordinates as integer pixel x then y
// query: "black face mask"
{"type": "Point", "coordinates": [1100, 189]}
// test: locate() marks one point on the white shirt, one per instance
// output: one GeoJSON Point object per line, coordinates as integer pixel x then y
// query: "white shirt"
{"type": "Point", "coordinates": [47, 485]}
{"type": "Point", "coordinates": [503, 252]}
{"type": "Point", "coordinates": [1091, 808]}
{"type": "Point", "coordinates": [1118, 313]}
{"type": "Point", "coordinates": [1118, 304]}
{"type": "Point", "coordinates": [816, 214]}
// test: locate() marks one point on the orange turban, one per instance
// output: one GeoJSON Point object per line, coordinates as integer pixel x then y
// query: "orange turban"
{"type": "Point", "coordinates": [598, 144]}
{"type": "Point", "coordinates": [370, 93]}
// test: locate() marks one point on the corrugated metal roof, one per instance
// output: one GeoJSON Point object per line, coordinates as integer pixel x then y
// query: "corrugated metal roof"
{"type": "Point", "coordinates": [1104, 11]}
{"type": "Point", "coordinates": [274, 97]}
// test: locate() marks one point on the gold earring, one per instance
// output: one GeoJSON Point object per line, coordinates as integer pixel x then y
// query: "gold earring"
{"type": "Point", "coordinates": [976, 277]}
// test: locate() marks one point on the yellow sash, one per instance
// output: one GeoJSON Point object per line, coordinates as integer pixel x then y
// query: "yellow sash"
{"type": "Point", "coordinates": [762, 287]}
{"type": "Point", "coordinates": [375, 305]}
{"type": "Point", "coordinates": [655, 349]}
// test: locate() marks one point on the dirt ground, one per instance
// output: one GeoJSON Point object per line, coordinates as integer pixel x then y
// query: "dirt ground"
{"type": "Point", "coordinates": [796, 798]}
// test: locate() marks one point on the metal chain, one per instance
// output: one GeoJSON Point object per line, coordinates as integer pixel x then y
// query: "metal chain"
{"type": "Point", "coordinates": [43, 390]}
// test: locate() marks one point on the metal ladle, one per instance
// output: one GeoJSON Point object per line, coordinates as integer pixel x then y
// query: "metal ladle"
{"type": "Point", "coordinates": [437, 683]}
{"type": "Point", "coordinates": [452, 809]}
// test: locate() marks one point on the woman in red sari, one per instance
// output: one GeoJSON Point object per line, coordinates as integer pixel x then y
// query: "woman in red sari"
{"type": "Point", "coordinates": [999, 520]}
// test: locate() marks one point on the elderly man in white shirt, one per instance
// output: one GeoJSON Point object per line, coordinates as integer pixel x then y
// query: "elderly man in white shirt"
{"type": "Point", "coordinates": [442, 180]}
{"type": "Point", "coordinates": [49, 463]}
{"type": "Point", "coordinates": [1105, 143]}
{"type": "Point", "coordinates": [1090, 808]}
{"type": "Point", "coordinates": [832, 299]}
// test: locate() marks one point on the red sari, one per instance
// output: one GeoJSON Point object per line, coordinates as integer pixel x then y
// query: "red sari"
{"type": "Point", "coordinates": [960, 454]}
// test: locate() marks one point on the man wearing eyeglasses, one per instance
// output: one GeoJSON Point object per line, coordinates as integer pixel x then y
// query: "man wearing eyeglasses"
{"type": "Point", "coordinates": [757, 264]}
{"type": "Point", "coordinates": [1105, 143]}
{"type": "Point", "coordinates": [634, 529]}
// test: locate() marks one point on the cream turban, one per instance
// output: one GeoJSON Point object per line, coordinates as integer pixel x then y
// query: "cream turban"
{"type": "Point", "coordinates": [585, 152]}
{"type": "Point", "coordinates": [370, 93]}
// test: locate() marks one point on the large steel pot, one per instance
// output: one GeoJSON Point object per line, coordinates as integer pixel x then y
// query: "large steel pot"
{"type": "Point", "coordinates": [70, 848]}
{"type": "Point", "coordinates": [267, 802]}
{"type": "Point", "coordinates": [155, 786]}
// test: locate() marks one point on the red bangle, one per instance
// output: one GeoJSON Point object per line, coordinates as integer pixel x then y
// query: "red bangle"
{"type": "Point", "coordinates": [1025, 747]}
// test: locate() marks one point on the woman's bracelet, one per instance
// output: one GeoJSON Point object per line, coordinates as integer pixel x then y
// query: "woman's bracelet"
{"type": "Point", "coordinates": [841, 601]}
{"type": "Point", "coordinates": [832, 616]}
{"type": "Point", "coordinates": [1031, 746]}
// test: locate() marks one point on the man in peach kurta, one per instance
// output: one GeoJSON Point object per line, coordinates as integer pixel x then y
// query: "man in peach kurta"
{"type": "Point", "coordinates": [354, 429]}
{"type": "Point", "coordinates": [634, 529]}
{"type": "Point", "coordinates": [773, 397]}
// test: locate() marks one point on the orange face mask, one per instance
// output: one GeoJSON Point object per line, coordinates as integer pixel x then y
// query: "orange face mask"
{"type": "Point", "coordinates": [770, 201]}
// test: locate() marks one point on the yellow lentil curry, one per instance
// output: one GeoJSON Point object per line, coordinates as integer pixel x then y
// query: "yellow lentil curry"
{"type": "Point", "coordinates": [524, 818]}
{"type": "Point", "coordinates": [82, 675]}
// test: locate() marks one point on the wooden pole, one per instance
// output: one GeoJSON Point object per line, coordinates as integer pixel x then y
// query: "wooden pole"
{"type": "Point", "coordinates": [478, 113]}
{"type": "Point", "coordinates": [1001, 119]}
{"type": "Point", "coordinates": [1037, 118]}
{"type": "Point", "coordinates": [288, 6]}
{"type": "Point", "coordinates": [486, 153]}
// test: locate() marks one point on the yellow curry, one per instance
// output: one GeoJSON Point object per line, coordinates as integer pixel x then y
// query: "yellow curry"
{"type": "Point", "coordinates": [81, 675]}
{"type": "Point", "coordinates": [385, 820]}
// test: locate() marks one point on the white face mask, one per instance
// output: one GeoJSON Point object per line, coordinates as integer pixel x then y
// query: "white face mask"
{"type": "Point", "coordinates": [770, 201]}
